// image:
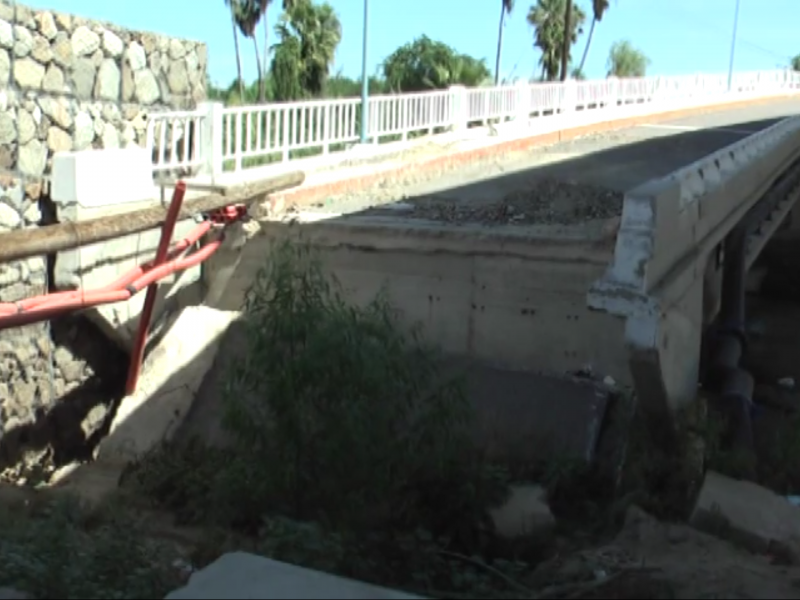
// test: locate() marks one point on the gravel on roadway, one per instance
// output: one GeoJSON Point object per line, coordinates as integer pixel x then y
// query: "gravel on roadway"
{"type": "Point", "coordinates": [547, 201]}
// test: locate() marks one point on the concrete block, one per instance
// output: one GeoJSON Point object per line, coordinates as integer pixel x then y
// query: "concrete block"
{"type": "Point", "coordinates": [93, 184]}
{"type": "Point", "coordinates": [171, 376]}
{"type": "Point", "coordinates": [240, 575]}
{"type": "Point", "coordinates": [745, 513]}
{"type": "Point", "coordinates": [97, 178]}
{"type": "Point", "coordinates": [525, 514]}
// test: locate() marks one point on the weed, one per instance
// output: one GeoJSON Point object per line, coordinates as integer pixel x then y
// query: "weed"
{"type": "Point", "coordinates": [350, 452]}
{"type": "Point", "coordinates": [63, 551]}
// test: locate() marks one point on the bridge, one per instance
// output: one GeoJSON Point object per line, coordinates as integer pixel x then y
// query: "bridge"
{"type": "Point", "coordinates": [534, 230]}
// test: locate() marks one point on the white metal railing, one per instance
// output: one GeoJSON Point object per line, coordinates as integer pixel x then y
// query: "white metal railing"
{"type": "Point", "coordinates": [215, 140]}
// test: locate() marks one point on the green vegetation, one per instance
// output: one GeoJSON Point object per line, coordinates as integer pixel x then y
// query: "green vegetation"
{"type": "Point", "coordinates": [626, 61]}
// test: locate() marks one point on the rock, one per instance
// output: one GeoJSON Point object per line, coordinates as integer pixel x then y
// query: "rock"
{"type": "Point", "coordinates": [525, 514]}
{"type": "Point", "coordinates": [58, 110]}
{"type": "Point", "coordinates": [146, 88]}
{"type": "Point", "coordinates": [178, 78]}
{"type": "Point", "coordinates": [8, 129]}
{"type": "Point", "coordinates": [9, 219]}
{"type": "Point", "coordinates": [32, 158]}
{"type": "Point", "coordinates": [6, 35]}
{"type": "Point", "coordinates": [53, 80]}
{"type": "Point", "coordinates": [83, 75]}
{"type": "Point", "coordinates": [84, 41]}
{"type": "Point", "coordinates": [745, 513]}
{"type": "Point", "coordinates": [112, 44]}
{"type": "Point", "coordinates": [58, 140]}
{"type": "Point", "coordinates": [41, 51]}
{"type": "Point", "coordinates": [23, 41]}
{"type": "Point", "coordinates": [110, 136]}
{"type": "Point", "coordinates": [176, 49]}
{"type": "Point", "coordinates": [26, 127]}
{"type": "Point", "coordinates": [137, 59]}
{"type": "Point", "coordinates": [5, 67]}
{"type": "Point", "coordinates": [107, 85]}
{"type": "Point", "coordinates": [47, 25]}
{"type": "Point", "coordinates": [28, 74]}
{"type": "Point", "coordinates": [84, 131]}
{"type": "Point", "coordinates": [62, 50]}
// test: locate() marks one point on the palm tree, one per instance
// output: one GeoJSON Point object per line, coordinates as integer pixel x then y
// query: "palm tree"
{"type": "Point", "coordinates": [506, 6]}
{"type": "Point", "coordinates": [263, 8]}
{"type": "Point", "coordinates": [233, 7]}
{"type": "Point", "coordinates": [547, 19]}
{"type": "Point", "coordinates": [247, 15]}
{"type": "Point", "coordinates": [567, 43]}
{"type": "Point", "coordinates": [599, 8]}
{"type": "Point", "coordinates": [313, 32]}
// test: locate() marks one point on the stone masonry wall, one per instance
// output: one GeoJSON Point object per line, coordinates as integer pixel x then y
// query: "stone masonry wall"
{"type": "Point", "coordinates": [67, 83]}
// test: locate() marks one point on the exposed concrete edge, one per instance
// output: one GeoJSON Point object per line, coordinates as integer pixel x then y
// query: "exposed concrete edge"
{"type": "Point", "coordinates": [305, 195]}
{"type": "Point", "coordinates": [416, 236]}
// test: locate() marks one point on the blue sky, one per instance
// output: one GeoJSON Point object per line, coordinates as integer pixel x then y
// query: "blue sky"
{"type": "Point", "coordinates": [680, 36]}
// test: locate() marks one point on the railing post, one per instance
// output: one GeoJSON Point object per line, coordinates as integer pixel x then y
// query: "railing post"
{"type": "Point", "coordinates": [459, 104]}
{"type": "Point", "coordinates": [212, 139]}
{"type": "Point", "coordinates": [570, 97]}
{"type": "Point", "coordinates": [523, 102]}
{"type": "Point", "coordinates": [326, 128]}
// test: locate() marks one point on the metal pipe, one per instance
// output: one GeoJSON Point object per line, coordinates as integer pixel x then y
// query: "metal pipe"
{"type": "Point", "coordinates": [140, 341]}
{"type": "Point", "coordinates": [364, 78]}
{"type": "Point", "coordinates": [25, 243]}
{"type": "Point", "coordinates": [733, 45]}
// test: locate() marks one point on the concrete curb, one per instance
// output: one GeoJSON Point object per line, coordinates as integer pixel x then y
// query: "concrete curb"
{"type": "Point", "coordinates": [305, 195]}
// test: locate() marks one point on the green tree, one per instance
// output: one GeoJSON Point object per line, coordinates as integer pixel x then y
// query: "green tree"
{"type": "Point", "coordinates": [796, 63]}
{"type": "Point", "coordinates": [506, 6]}
{"type": "Point", "coordinates": [247, 14]}
{"type": "Point", "coordinates": [425, 64]}
{"type": "Point", "coordinates": [624, 60]}
{"type": "Point", "coordinates": [546, 17]}
{"type": "Point", "coordinates": [233, 6]}
{"type": "Point", "coordinates": [308, 34]}
{"type": "Point", "coordinates": [599, 8]}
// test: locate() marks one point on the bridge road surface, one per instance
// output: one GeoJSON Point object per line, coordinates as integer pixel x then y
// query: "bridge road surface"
{"type": "Point", "coordinates": [616, 160]}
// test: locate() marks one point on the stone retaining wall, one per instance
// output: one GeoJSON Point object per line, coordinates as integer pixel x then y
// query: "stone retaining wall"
{"type": "Point", "coordinates": [67, 83]}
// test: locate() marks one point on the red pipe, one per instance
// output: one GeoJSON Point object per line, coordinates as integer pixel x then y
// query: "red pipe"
{"type": "Point", "coordinates": [167, 230]}
{"type": "Point", "coordinates": [128, 279]}
{"type": "Point", "coordinates": [45, 309]}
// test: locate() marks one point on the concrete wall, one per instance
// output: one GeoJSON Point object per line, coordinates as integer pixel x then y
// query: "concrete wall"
{"type": "Point", "coordinates": [68, 83]}
{"type": "Point", "coordinates": [507, 297]}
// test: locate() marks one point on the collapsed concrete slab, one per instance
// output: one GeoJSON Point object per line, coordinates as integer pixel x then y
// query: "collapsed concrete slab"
{"type": "Point", "coordinates": [746, 513]}
{"type": "Point", "coordinates": [240, 575]}
{"type": "Point", "coordinates": [171, 377]}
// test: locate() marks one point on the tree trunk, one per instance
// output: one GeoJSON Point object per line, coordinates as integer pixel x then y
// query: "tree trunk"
{"type": "Point", "coordinates": [588, 43]}
{"type": "Point", "coordinates": [262, 91]}
{"type": "Point", "coordinates": [567, 40]}
{"type": "Point", "coordinates": [499, 43]}
{"type": "Point", "coordinates": [238, 56]}
{"type": "Point", "coordinates": [258, 66]}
